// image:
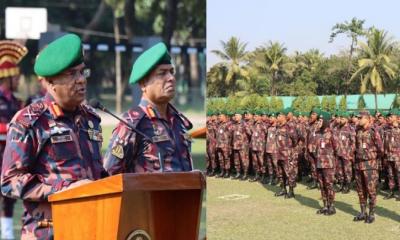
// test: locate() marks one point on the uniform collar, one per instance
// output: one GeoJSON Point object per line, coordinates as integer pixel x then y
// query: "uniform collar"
{"type": "Point", "coordinates": [152, 111]}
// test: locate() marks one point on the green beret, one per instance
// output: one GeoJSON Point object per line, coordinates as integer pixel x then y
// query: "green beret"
{"type": "Point", "coordinates": [148, 60]}
{"type": "Point", "coordinates": [372, 112]}
{"type": "Point", "coordinates": [316, 110]}
{"type": "Point", "coordinates": [325, 115]}
{"type": "Point", "coordinates": [394, 111]}
{"type": "Point", "coordinates": [61, 54]}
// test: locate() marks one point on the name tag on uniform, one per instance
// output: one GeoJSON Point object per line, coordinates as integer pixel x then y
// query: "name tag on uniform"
{"type": "Point", "coordinates": [95, 135]}
{"type": "Point", "coordinates": [221, 131]}
{"type": "Point", "coordinates": [256, 134]}
{"type": "Point", "coordinates": [392, 139]}
{"type": "Point", "coordinates": [271, 135]}
{"type": "Point", "coordinates": [313, 134]}
{"type": "Point", "coordinates": [343, 137]}
{"type": "Point", "coordinates": [279, 138]}
{"type": "Point", "coordinates": [61, 138]}
{"type": "Point", "coordinates": [322, 144]}
{"type": "Point", "coordinates": [237, 133]}
{"type": "Point", "coordinates": [160, 138]}
{"type": "Point", "coordinates": [364, 145]}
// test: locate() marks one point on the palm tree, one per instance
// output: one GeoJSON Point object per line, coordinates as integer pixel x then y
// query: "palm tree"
{"type": "Point", "coordinates": [216, 81]}
{"type": "Point", "coordinates": [375, 66]}
{"type": "Point", "coordinates": [233, 55]}
{"type": "Point", "coordinates": [352, 29]}
{"type": "Point", "coordinates": [272, 60]}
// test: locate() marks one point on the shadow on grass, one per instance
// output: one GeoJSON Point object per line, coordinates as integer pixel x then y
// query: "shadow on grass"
{"type": "Point", "coordinates": [383, 212]}
{"type": "Point", "coordinates": [306, 201]}
{"type": "Point", "coordinates": [345, 207]}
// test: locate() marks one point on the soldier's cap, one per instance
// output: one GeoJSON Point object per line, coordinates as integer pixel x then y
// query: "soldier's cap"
{"type": "Point", "coordinates": [344, 114]}
{"type": "Point", "coordinates": [148, 60]}
{"type": "Point", "coordinates": [325, 115]}
{"type": "Point", "coordinates": [11, 53]}
{"type": "Point", "coordinates": [372, 112]}
{"type": "Point", "coordinates": [61, 54]}
{"type": "Point", "coordinates": [315, 110]}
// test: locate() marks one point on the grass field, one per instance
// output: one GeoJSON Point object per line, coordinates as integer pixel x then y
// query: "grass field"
{"type": "Point", "coordinates": [198, 151]}
{"type": "Point", "coordinates": [244, 210]}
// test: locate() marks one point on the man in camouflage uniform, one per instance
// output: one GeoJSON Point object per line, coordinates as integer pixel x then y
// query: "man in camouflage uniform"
{"type": "Point", "coordinates": [311, 147]}
{"type": "Point", "coordinates": [392, 152]}
{"type": "Point", "coordinates": [223, 146]}
{"type": "Point", "coordinates": [240, 147]}
{"type": "Point", "coordinates": [55, 143]}
{"type": "Point", "coordinates": [287, 140]}
{"type": "Point", "coordinates": [271, 151]}
{"type": "Point", "coordinates": [211, 145]}
{"type": "Point", "coordinates": [368, 147]}
{"type": "Point", "coordinates": [345, 138]}
{"type": "Point", "coordinates": [170, 145]}
{"type": "Point", "coordinates": [11, 53]}
{"type": "Point", "coordinates": [325, 153]}
{"type": "Point", "coordinates": [257, 147]}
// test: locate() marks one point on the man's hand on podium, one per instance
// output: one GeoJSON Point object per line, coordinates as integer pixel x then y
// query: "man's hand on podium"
{"type": "Point", "coordinates": [76, 184]}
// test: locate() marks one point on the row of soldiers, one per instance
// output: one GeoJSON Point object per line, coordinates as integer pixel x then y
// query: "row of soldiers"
{"type": "Point", "coordinates": [329, 148]}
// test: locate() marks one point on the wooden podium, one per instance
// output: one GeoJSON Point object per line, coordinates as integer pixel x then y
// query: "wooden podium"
{"type": "Point", "coordinates": [156, 206]}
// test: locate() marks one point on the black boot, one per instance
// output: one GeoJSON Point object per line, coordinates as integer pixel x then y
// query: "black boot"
{"type": "Point", "coordinates": [237, 176]}
{"type": "Point", "coordinates": [283, 191]}
{"type": "Point", "coordinates": [323, 209]}
{"type": "Point", "coordinates": [291, 193]}
{"type": "Point", "coordinates": [221, 174]}
{"type": "Point", "coordinates": [256, 178]}
{"type": "Point", "coordinates": [274, 181]}
{"type": "Point", "coordinates": [339, 187]}
{"type": "Point", "coordinates": [270, 179]}
{"type": "Point", "coordinates": [331, 209]}
{"type": "Point", "coordinates": [212, 173]}
{"type": "Point", "coordinates": [227, 175]}
{"type": "Point", "coordinates": [313, 185]}
{"type": "Point", "coordinates": [265, 179]}
{"type": "Point", "coordinates": [346, 188]}
{"type": "Point", "coordinates": [362, 215]}
{"type": "Point", "coordinates": [390, 195]}
{"type": "Point", "coordinates": [371, 216]}
{"type": "Point", "coordinates": [245, 176]}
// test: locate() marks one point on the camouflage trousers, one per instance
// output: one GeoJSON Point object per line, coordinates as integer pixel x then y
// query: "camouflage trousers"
{"type": "Point", "coordinates": [271, 163]}
{"type": "Point", "coordinates": [326, 177]}
{"type": "Point", "coordinates": [211, 160]}
{"type": "Point", "coordinates": [257, 158]}
{"type": "Point", "coordinates": [344, 170]}
{"type": "Point", "coordinates": [241, 160]}
{"type": "Point", "coordinates": [284, 173]}
{"type": "Point", "coordinates": [366, 182]}
{"type": "Point", "coordinates": [7, 206]}
{"type": "Point", "coordinates": [393, 170]}
{"type": "Point", "coordinates": [312, 161]}
{"type": "Point", "coordinates": [294, 170]}
{"type": "Point", "coordinates": [223, 158]}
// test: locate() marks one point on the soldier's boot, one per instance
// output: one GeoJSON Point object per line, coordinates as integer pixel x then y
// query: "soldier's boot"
{"type": "Point", "coordinates": [291, 193]}
{"type": "Point", "coordinates": [313, 185]}
{"type": "Point", "coordinates": [212, 173]}
{"type": "Point", "coordinates": [385, 185]}
{"type": "Point", "coordinates": [256, 178]}
{"type": "Point", "coordinates": [346, 188]}
{"type": "Point", "coordinates": [362, 215]}
{"type": "Point", "coordinates": [331, 209]}
{"type": "Point", "coordinates": [264, 179]}
{"type": "Point", "coordinates": [237, 176]}
{"type": "Point", "coordinates": [324, 208]}
{"type": "Point", "coordinates": [245, 176]}
{"type": "Point", "coordinates": [339, 187]}
{"type": "Point", "coordinates": [221, 174]}
{"type": "Point", "coordinates": [398, 196]}
{"type": "Point", "coordinates": [270, 179]}
{"type": "Point", "coordinates": [390, 195]}
{"type": "Point", "coordinates": [371, 216]}
{"type": "Point", "coordinates": [282, 192]}
{"type": "Point", "coordinates": [274, 181]}
{"type": "Point", "coordinates": [227, 174]}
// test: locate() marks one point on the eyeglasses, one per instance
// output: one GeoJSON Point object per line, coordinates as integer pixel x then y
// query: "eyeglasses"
{"type": "Point", "coordinates": [85, 72]}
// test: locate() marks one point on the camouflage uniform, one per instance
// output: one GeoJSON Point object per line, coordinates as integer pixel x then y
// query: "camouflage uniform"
{"type": "Point", "coordinates": [345, 138]}
{"type": "Point", "coordinates": [257, 146]}
{"type": "Point", "coordinates": [129, 152]}
{"type": "Point", "coordinates": [392, 155]}
{"type": "Point", "coordinates": [9, 106]}
{"type": "Point", "coordinates": [301, 148]}
{"type": "Point", "coordinates": [325, 164]}
{"type": "Point", "coordinates": [271, 151]}
{"type": "Point", "coordinates": [240, 147]}
{"type": "Point", "coordinates": [211, 146]}
{"type": "Point", "coordinates": [287, 139]}
{"type": "Point", "coordinates": [311, 149]}
{"type": "Point", "coordinates": [223, 146]}
{"type": "Point", "coordinates": [368, 146]}
{"type": "Point", "coordinates": [48, 149]}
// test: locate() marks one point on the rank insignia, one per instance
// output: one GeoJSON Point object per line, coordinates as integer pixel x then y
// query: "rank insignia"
{"type": "Point", "coordinates": [118, 151]}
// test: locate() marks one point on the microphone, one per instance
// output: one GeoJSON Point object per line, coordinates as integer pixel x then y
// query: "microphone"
{"type": "Point", "coordinates": [96, 104]}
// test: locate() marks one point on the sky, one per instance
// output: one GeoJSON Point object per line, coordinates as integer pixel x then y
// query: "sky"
{"type": "Point", "coordinates": [300, 25]}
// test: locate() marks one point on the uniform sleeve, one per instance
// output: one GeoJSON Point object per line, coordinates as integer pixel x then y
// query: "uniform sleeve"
{"type": "Point", "coordinates": [120, 150]}
{"type": "Point", "coordinates": [16, 179]}
{"type": "Point", "coordinates": [378, 143]}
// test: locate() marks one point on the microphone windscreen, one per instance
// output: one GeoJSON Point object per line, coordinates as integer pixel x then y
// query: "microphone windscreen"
{"type": "Point", "coordinates": [94, 103]}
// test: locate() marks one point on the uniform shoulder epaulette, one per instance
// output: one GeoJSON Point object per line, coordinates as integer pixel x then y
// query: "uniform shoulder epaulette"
{"type": "Point", "coordinates": [29, 114]}
{"type": "Point", "coordinates": [134, 115]}
{"type": "Point", "coordinates": [185, 121]}
{"type": "Point", "coordinates": [90, 110]}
